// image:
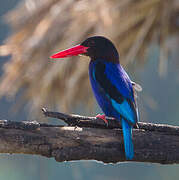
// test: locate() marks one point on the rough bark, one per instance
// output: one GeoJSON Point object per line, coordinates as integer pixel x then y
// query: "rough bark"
{"type": "Point", "coordinates": [154, 143]}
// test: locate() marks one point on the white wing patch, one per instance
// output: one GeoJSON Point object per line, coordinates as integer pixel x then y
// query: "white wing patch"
{"type": "Point", "coordinates": [136, 86]}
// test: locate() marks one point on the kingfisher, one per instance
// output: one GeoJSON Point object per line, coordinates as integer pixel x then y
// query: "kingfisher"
{"type": "Point", "coordinates": [111, 85]}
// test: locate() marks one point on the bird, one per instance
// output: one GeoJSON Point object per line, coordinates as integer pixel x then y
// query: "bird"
{"type": "Point", "coordinates": [111, 85]}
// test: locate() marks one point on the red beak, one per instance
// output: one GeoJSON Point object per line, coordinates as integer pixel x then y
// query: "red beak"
{"type": "Point", "coordinates": [74, 51]}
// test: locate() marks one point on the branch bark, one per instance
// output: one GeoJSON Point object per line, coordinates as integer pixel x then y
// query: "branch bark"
{"type": "Point", "coordinates": [90, 140]}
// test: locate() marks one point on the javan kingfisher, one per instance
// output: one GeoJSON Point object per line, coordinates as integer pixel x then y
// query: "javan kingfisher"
{"type": "Point", "coordinates": [112, 87]}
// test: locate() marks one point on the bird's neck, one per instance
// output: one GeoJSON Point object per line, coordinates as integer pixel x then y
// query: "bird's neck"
{"type": "Point", "coordinates": [106, 57]}
{"type": "Point", "coordinates": [104, 61]}
{"type": "Point", "coordinates": [101, 63]}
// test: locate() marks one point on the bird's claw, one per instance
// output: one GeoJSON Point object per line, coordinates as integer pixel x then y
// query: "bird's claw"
{"type": "Point", "coordinates": [102, 117]}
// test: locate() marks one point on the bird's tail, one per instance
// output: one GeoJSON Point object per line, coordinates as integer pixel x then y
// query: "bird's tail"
{"type": "Point", "coordinates": [127, 134]}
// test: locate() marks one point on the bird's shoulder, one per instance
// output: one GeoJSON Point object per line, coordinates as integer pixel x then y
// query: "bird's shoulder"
{"type": "Point", "coordinates": [111, 74]}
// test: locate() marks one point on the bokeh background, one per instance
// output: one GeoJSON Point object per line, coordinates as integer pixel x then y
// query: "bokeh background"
{"type": "Point", "coordinates": [146, 35]}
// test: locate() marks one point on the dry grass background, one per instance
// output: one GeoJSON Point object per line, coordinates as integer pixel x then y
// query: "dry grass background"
{"type": "Point", "coordinates": [43, 27]}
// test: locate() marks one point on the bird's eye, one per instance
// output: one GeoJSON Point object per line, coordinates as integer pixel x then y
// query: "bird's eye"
{"type": "Point", "coordinates": [91, 43]}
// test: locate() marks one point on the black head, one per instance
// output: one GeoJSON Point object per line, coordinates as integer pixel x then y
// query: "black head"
{"type": "Point", "coordinates": [101, 48]}
{"type": "Point", "coordinates": [96, 47]}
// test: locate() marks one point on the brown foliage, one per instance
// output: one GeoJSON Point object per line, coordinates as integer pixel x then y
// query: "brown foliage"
{"type": "Point", "coordinates": [43, 27]}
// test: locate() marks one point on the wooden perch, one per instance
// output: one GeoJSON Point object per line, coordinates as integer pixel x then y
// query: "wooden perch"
{"type": "Point", "coordinates": [89, 139]}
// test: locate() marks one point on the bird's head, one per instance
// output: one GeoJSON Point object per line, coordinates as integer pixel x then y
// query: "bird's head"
{"type": "Point", "coordinates": [96, 47]}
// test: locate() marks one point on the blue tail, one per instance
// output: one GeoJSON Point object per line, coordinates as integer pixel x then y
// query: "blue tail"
{"type": "Point", "coordinates": [128, 145]}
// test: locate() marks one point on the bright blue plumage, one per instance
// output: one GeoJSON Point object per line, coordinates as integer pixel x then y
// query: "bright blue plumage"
{"type": "Point", "coordinates": [128, 145]}
{"type": "Point", "coordinates": [114, 93]}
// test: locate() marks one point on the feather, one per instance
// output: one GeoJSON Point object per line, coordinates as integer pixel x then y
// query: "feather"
{"type": "Point", "coordinates": [136, 86]}
{"type": "Point", "coordinates": [127, 134]}
{"type": "Point", "coordinates": [112, 85]}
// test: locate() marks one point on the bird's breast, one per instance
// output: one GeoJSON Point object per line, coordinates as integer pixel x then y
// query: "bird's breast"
{"type": "Point", "coordinates": [99, 92]}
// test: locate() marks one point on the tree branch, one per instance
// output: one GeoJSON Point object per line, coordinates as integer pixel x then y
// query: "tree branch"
{"type": "Point", "coordinates": [95, 141]}
{"type": "Point", "coordinates": [85, 121]}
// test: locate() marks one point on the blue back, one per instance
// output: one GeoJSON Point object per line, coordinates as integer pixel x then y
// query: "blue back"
{"type": "Point", "coordinates": [113, 90]}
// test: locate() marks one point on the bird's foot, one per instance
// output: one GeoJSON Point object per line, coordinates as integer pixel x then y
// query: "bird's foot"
{"type": "Point", "coordinates": [102, 117]}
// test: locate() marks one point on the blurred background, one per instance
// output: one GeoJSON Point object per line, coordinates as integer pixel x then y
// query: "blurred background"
{"type": "Point", "coordinates": [146, 35]}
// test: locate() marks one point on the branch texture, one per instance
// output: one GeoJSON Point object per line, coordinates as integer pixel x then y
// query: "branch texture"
{"type": "Point", "coordinates": [89, 140]}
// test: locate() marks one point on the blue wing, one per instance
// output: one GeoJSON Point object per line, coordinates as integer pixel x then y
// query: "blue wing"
{"type": "Point", "coordinates": [116, 86]}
